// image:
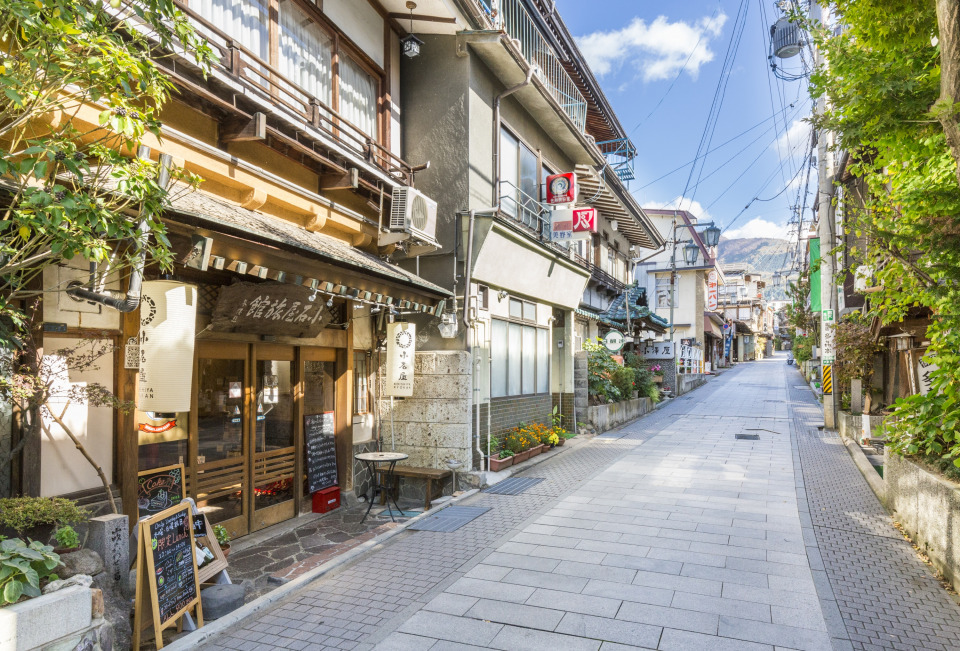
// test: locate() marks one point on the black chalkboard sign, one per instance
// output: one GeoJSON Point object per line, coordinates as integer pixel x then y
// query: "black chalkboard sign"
{"type": "Point", "coordinates": [319, 439]}
{"type": "Point", "coordinates": [158, 489]}
{"type": "Point", "coordinates": [167, 580]}
{"type": "Point", "coordinates": [199, 526]}
{"type": "Point", "coordinates": [171, 546]}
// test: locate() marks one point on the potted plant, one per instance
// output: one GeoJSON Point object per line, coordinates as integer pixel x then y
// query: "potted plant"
{"type": "Point", "coordinates": [25, 569]}
{"type": "Point", "coordinates": [223, 538]}
{"type": "Point", "coordinates": [500, 460]}
{"type": "Point", "coordinates": [657, 371]}
{"type": "Point", "coordinates": [67, 540]}
{"type": "Point", "coordinates": [35, 518]}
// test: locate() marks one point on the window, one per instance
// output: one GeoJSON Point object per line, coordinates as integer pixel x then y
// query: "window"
{"type": "Point", "coordinates": [361, 384]}
{"type": "Point", "coordinates": [358, 96]}
{"type": "Point", "coordinates": [519, 182]}
{"type": "Point", "coordinates": [305, 53]}
{"type": "Point", "coordinates": [663, 292]}
{"type": "Point", "coordinates": [483, 297]}
{"type": "Point", "coordinates": [520, 359]}
{"type": "Point", "coordinates": [245, 20]}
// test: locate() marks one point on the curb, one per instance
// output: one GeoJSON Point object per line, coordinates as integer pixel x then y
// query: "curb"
{"type": "Point", "coordinates": [233, 619]}
{"type": "Point", "coordinates": [877, 485]}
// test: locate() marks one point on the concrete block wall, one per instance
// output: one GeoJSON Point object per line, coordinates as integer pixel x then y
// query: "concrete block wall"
{"type": "Point", "coordinates": [581, 389]}
{"type": "Point", "coordinates": [928, 507]}
{"type": "Point", "coordinates": [605, 417]}
{"type": "Point", "coordinates": [433, 424]}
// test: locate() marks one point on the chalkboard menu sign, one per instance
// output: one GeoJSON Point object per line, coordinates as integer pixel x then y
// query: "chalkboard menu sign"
{"type": "Point", "coordinates": [319, 439]}
{"type": "Point", "coordinates": [158, 489]}
{"type": "Point", "coordinates": [167, 581]}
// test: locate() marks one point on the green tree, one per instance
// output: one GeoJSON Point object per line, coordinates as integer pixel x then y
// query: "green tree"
{"type": "Point", "coordinates": [889, 108]}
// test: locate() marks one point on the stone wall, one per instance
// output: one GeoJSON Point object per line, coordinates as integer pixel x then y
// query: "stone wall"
{"type": "Point", "coordinates": [361, 475]}
{"type": "Point", "coordinates": [851, 425]}
{"type": "Point", "coordinates": [433, 424]}
{"type": "Point", "coordinates": [688, 382]}
{"type": "Point", "coordinates": [928, 507]}
{"type": "Point", "coordinates": [580, 383]}
{"type": "Point", "coordinates": [605, 417]}
{"type": "Point", "coordinates": [669, 368]}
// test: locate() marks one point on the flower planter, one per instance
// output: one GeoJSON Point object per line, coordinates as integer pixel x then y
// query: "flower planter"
{"type": "Point", "coordinates": [534, 451]}
{"type": "Point", "coordinates": [658, 379]}
{"type": "Point", "coordinates": [520, 457]}
{"type": "Point", "coordinates": [497, 464]}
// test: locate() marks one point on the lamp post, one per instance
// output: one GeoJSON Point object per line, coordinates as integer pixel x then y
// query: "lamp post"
{"type": "Point", "coordinates": [691, 251]}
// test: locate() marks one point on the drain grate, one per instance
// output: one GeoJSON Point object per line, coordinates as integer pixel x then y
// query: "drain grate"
{"type": "Point", "coordinates": [513, 486]}
{"type": "Point", "coordinates": [748, 437]}
{"type": "Point", "coordinates": [449, 519]}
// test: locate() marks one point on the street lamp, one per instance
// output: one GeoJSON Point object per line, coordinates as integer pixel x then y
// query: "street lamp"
{"type": "Point", "coordinates": [711, 235]}
{"type": "Point", "coordinates": [777, 279]}
{"type": "Point", "coordinates": [690, 253]}
{"type": "Point", "coordinates": [410, 44]}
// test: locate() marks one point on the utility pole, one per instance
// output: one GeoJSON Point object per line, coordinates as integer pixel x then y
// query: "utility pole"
{"type": "Point", "coordinates": [828, 292]}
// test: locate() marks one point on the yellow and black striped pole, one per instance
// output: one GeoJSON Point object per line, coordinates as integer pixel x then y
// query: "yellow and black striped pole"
{"type": "Point", "coordinates": [827, 379]}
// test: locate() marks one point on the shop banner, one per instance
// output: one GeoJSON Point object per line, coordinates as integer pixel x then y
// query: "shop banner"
{"type": "Point", "coordinates": [279, 309]}
{"type": "Point", "coordinates": [401, 351]}
{"type": "Point", "coordinates": [658, 350]}
{"type": "Point", "coordinates": [712, 291]}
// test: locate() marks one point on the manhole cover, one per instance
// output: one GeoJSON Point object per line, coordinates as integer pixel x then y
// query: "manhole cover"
{"type": "Point", "coordinates": [748, 437]}
{"type": "Point", "coordinates": [513, 486]}
{"type": "Point", "coordinates": [449, 519]}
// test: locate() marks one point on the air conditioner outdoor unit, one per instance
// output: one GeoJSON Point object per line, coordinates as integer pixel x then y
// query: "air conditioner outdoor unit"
{"type": "Point", "coordinates": [414, 213]}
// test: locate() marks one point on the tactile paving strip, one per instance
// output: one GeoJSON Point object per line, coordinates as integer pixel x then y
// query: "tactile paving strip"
{"type": "Point", "coordinates": [513, 485]}
{"type": "Point", "coordinates": [449, 519]}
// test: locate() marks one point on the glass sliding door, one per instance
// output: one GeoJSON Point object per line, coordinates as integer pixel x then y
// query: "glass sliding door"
{"type": "Point", "coordinates": [275, 427]}
{"type": "Point", "coordinates": [219, 476]}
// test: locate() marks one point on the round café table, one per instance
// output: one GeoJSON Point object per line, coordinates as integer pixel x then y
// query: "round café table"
{"type": "Point", "coordinates": [380, 465]}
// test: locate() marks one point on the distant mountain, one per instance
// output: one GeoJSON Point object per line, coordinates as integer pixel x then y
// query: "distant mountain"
{"type": "Point", "coordinates": [765, 254]}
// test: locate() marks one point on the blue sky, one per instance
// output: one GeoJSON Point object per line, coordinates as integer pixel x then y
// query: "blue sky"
{"type": "Point", "coordinates": [638, 48]}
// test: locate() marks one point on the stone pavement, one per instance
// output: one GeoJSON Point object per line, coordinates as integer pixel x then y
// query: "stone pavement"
{"type": "Point", "coordinates": [670, 533]}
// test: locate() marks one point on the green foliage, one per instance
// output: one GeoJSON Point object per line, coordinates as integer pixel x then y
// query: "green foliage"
{"type": "Point", "coordinates": [803, 347]}
{"type": "Point", "coordinates": [23, 567]}
{"type": "Point", "coordinates": [67, 538]}
{"type": "Point", "coordinates": [221, 533]}
{"type": "Point", "coordinates": [23, 513]}
{"type": "Point", "coordinates": [881, 86]}
{"type": "Point", "coordinates": [76, 189]}
{"type": "Point", "coordinates": [601, 368]}
{"type": "Point", "coordinates": [623, 378]}
{"type": "Point", "coordinates": [855, 348]}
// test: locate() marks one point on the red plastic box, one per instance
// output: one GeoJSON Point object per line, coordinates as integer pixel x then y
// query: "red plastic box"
{"type": "Point", "coordinates": [326, 500]}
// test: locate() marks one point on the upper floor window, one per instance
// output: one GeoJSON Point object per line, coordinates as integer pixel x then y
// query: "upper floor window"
{"type": "Point", "coordinates": [306, 52]}
{"type": "Point", "coordinates": [663, 292]}
{"type": "Point", "coordinates": [519, 180]}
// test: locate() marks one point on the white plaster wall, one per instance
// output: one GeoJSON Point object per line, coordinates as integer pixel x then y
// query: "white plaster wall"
{"type": "Point", "coordinates": [62, 468]}
{"type": "Point", "coordinates": [361, 22]}
{"type": "Point", "coordinates": [60, 308]}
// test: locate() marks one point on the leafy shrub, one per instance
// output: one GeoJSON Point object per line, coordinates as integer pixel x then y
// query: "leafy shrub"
{"type": "Point", "coordinates": [623, 379]}
{"type": "Point", "coordinates": [600, 371]}
{"type": "Point", "coordinates": [221, 533]}
{"type": "Point", "coordinates": [23, 513]}
{"type": "Point", "coordinates": [67, 538]}
{"type": "Point", "coordinates": [23, 567]}
{"type": "Point", "coordinates": [855, 347]}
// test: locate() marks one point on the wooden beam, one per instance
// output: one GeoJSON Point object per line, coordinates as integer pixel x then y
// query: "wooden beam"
{"type": "Point", "coordinates": [427, 19]}
{"type": "Point", "coordinates": [241, 130]}
{"type": "Point", "coordinates": [348, 181]}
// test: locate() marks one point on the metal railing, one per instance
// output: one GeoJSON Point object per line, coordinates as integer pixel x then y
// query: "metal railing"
{"type": "Point", "coordinates": [259, 76]}
{"type": "Point", "coordinates": [512, 17]}
{"type": "Point", "coordinates": [619, 154]}
{"type": "Point", "coordinates": [599, 274]}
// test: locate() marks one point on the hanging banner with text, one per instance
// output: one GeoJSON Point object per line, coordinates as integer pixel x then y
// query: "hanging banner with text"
{"type": "Point", "coordinates": [828, 353]}
{"type": "Point", "coordinates": [712, 290]}
{"type": "Point", "coordinates": [401, 351]}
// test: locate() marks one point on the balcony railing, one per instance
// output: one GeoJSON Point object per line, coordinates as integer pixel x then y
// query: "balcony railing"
{"type": "Point", "coordinates": [619, 154]}
{"type": "Point", "coordinates": [261, 78]}
{"type": "Point", "coordinates": [512, 17]}
{"type": "Point", "coordinates": [600, 275]}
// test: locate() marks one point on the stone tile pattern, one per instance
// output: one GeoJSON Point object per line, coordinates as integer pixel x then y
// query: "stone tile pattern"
{"type": "Point", "coordinates": [342, 610]}
{"type": "Point", "coordinates": [887, 598]}
{"type": "Point", "coordinates": [692, 540]}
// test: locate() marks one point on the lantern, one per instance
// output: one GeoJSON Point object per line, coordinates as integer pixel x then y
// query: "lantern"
{"type": "Point", "coordinates": [690, 253]}
{"type": "Point", "coordinates": [168, 318]}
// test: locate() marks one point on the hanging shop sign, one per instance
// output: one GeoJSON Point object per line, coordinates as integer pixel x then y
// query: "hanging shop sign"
{"type": "Point", "coordinates": [828, 354]}
{"type": "Point", "coordinates": [168, 317]}
{"type": "Point", "coordinates": [270, 309]}
{"type": "Point", "coordinates": [658, 350]}
{"type": "Point", "coordinates": [561, 226]}
{"type": "Point", "coordinates": [712, 290]}
{"type": "Point", "coordinates": [561, 188]}
{"type": "Point", "coordinates": [401, 352]}
{"type": "Point", "coordinates": [584, 223]}
{"type": "Point", "coordinates": [925, 366]}
{"type": "Point", "coordinates": [613, 341]}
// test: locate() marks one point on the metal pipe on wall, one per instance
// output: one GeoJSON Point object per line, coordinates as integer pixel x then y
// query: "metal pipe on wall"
{"type": "Point", "coordinates": [496, 130]}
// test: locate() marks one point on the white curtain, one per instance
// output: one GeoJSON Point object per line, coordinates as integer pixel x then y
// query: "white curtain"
{"type": "Point", "coordinates": [244, 20]}
{"type": "Point", "coordinates": [358, 96]}
{"type": "Point", "coordinates": [305, 53]}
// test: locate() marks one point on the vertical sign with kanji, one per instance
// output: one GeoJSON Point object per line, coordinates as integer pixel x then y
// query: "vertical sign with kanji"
{"type": "Point", "coordinates": [401, 350]}
{"type": "Point", "coordinates": [828, 353]}
{"type": "Point", "coordinates": [712, 290]}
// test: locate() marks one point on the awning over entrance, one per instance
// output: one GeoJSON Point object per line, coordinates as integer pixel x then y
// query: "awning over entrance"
{"type": "Point", "coordinates": [282, 245]}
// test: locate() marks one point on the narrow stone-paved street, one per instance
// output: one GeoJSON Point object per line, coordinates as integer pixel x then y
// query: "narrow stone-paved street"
{"type": "Point", "coordinates": [670, 533]}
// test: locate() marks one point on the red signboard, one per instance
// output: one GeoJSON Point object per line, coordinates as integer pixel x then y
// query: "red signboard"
{"type": "Point", "coordinates": [562, 188]}
{"type": "Point", "coordinates": [584, 220]}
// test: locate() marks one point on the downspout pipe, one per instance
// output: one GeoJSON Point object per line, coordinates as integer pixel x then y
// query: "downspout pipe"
{"type": "Point", "coordinates": [496, 129]}
{"type": "Point", "coordinates": [129, 301]}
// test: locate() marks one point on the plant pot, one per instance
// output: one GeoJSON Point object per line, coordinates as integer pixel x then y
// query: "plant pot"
{"type": "Point", "coordinates": [65, 550]}
{"type": "Point", "coordinates": [520, 457]}
{"type": "Point", "coordinates": [658, 379]}
{"type": "Point", "coordinates": [225, 549]}
{"type": "Point", "coordinates": [540, 449]}
{"type": "Point", "coordinates": [497, 464]}
{"type": "Point", "coordinates": [561, 441]}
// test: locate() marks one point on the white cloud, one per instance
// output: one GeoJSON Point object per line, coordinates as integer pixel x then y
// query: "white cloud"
{"type": "Point", "coordinates": [659, 49]}
{"type": "Point", "coordinates": [682, 203]}
{"type": "Point", "coordinates": [759, 227]}
{"type": "Point", "coordinates": [793, 140]}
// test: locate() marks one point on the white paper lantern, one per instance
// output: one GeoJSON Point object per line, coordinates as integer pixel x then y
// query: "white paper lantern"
{"type": "Point", "coordinates": [168, 318]}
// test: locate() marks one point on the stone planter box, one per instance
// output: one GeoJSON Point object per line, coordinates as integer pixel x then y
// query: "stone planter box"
{"type": "Point", "coordinates": [605, 417]}
{"type": "Point", "coordinates": [851, 425]}
{"type": "Point", "coordinates": [658, 379]}
{"type": "Point", "coordinates": [497, 464]}
{"type": "Point", "coordinates": [927, 505]}
{"type": "Point", "coordinates": [38, 622]}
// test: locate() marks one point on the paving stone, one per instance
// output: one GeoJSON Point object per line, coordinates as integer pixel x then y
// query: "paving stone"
{"type": "Point", "coordinates": [577, 603]}
{"type": "Point", "coordinates": [611, 630]}
{"type": "Point", "coordinates": [764, 632]}
{"type": "Point", "coordinates": [448, 627]}
{"type": "Point", "coordinates": [666, 616]}
{"type": "Point", "coordinates": [451, 604]}
{"type": "Point", "coordinates": [545, 580]}
{"type": "Point", "coordinates": [512, 638]}
{"type": "Point", "coordinates": [674, 640]}
{"type": "Point", "coordinates": [638, 593]}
